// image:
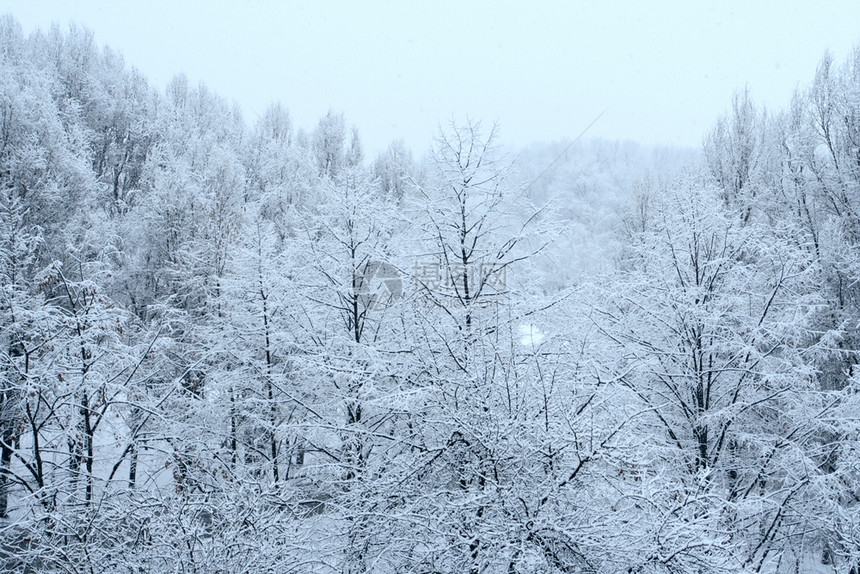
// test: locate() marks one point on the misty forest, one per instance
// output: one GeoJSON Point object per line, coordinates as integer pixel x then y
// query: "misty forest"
{"type": "Point", "coordinates": [233, 346]}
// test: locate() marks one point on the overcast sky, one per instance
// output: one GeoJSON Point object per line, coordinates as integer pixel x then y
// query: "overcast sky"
{"type": "Point", "coordinates": [543, 70]}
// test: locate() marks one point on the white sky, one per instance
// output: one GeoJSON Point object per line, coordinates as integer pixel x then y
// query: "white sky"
{"type": "Point", "coordinates": [543, 70]}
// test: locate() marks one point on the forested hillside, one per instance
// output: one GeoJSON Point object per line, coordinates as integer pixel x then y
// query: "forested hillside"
{"type": "Point", "coordinates": [231, 346]}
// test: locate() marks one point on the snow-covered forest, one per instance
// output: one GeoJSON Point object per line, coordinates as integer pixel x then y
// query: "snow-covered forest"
{"type": "Point", "coordinates": [233, 346]}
